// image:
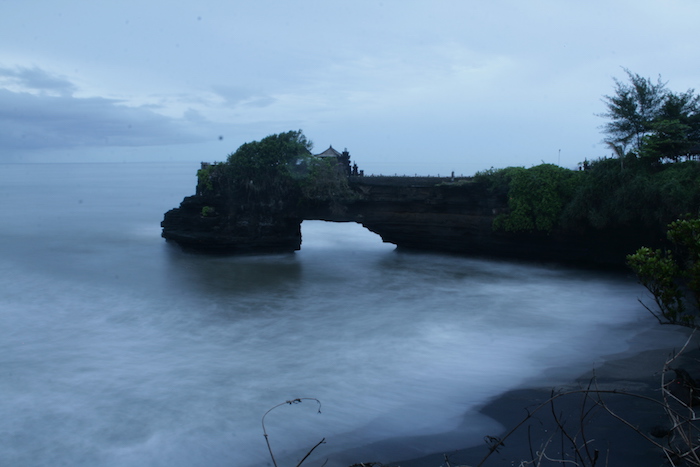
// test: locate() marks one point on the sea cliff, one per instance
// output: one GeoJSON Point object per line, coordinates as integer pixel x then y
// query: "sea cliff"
{"type": "Point", "coordinates": [454, 215]}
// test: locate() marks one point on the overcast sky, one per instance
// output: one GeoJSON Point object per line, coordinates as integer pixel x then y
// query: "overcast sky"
{"type": "Point", "coordinates": [406, 86]}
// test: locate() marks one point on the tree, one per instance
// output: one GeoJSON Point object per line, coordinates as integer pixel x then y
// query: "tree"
{"type": "Point", "coordinates": [270, 158]}
{"type": "Point", "coordinates": [633, 109]}
{"type": "Point", "coordinates": [676, 128]}
{"type": "Point", "coordinates": [619, 151]}
{"type": "Point", "coordinates": [279, 170]}
{"type": "Point", "coordinates": [673, 279]}
{"type": "Point", "coordinates": [669, 140]}
{"type": "Point", "coordinates": [536, 197]}
{"type": "Point", "coordinates": [660, 124]}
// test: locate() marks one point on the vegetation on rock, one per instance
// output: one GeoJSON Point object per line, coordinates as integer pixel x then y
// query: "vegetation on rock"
{"type": "Point", "coordinates": [548, 198]}
{"type": "Point", "coordinates": [267, 170]}
{"type": "Point", "coordinates": [278, 167]}
{"type": "Point", "coordinates": [659, 124]}
{"type": "Point", "coordinates": [208, 211]}
{"type": "Point", "coordinates": [536, 196]}
{"type": "Point", "coordinates": [673, 277]}
{"type": "Point", "coordinates": [205, 177]}
{"type": "Point", "coordinates": [654, 182]}
{"type": "Point", "coordinates": [272, 158]}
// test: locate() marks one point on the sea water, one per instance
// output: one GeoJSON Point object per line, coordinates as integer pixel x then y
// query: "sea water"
{"type": "Point", "coordinates": [119, 349]}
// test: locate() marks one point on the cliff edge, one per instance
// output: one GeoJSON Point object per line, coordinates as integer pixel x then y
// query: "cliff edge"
{"type": "Point", "coordinates": [420, 213]}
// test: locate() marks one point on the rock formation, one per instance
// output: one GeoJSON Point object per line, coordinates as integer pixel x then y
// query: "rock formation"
{"type": "Point", "coordinates": [420, 213]}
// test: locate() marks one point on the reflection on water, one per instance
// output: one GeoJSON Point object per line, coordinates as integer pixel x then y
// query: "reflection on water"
{"type": "Point", "coordinates": [232, 275]}
{"type": "Point", "coordinates": [122, 350]}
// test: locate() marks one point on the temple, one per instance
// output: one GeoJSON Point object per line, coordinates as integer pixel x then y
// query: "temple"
{"type": "Point", "coordinates": [342, 159]}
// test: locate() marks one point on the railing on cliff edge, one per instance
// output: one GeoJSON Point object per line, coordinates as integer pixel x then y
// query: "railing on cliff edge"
{"type": "Point", "coordinates": [411, 179]}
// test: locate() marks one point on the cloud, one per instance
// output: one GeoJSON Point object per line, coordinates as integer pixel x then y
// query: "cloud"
{"type": "Point", "coordinates": [240, 96]}
{"type": "Point", "coordinates": [36, 81]}
{"type": "Point", "coordinates": [30, 121]}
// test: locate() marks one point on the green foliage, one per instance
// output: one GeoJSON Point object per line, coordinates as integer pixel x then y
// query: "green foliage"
{"type": "Point", "coordinates": [673, 280]}
{"type": "Point", "coordinates": [265, 173]}
{"type": "Point", "coordinates": [669, 140]}
{"type": "Point", "coordinates": [536, 196]}
{"type": "Point", "coordinates": [639, 196]}
{"type": "Point", "coordinates": [633, 108]}
{"type": "Point", "coordinates": [685, 234]}
{"type": "Point", "coordinates": [497, 181]}
{"type": "Point", "coordinates": [205, 177]}
{"type": "Point", "coordinates": [676, 128]}
{"type": "Point", "coordinates": [271, 158]}
{"type": "Point", "coordinates": [324, 180]}
{"type": "Point", "coordinates": [658, 123]}
{"type": "Point", "coordinates": [273, 173]}
{"type": "Point", "coordinates": [676, 189]}
{"type": "Point", "coordinates": [208, 211]}
{"type": "Point", "coordinates": [603, 197]}
{"type": "Point", "coordinates": [658, 272]}
{"type": "Point", "coordinates": [607, 196]}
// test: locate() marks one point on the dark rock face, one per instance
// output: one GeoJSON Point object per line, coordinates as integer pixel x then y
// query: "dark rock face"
{"type": "Point", "coordinates": [412, 213]}
{"type": "Point", "coordinates": [220, 231]}
{"type": "Point", "coordinates": [426, 215]}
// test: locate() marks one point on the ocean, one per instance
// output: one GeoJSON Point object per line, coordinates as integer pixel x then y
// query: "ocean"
{"type": "Point", "coordinates": [119, 349]}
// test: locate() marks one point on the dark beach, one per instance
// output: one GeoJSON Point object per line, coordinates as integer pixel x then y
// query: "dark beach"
{"type": "Point", "coordinates": [638, 374]}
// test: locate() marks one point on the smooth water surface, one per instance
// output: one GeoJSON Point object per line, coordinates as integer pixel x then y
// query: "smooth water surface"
{"type": "Point", "coordinates": [119, 349]}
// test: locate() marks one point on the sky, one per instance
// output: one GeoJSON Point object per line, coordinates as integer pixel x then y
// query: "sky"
{"type": "Point", "coordinates": [408, 87]}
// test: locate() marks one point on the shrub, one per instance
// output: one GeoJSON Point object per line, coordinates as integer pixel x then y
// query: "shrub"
{"type": "Point", "coordinates": [536, 196]}
{"type": "Point", "coordinates": [673, 280]}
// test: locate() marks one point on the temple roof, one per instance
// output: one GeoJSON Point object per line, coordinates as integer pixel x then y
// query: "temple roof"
{"type": "Point", "coordinates": [330, 152]}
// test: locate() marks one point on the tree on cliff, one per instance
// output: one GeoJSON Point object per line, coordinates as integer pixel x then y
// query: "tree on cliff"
{"type": "Point", "coordinates": [279, 173]}
{"type": "Point", "coordinates": [676, 129]}
{"type": "Point", "coordinates": [536, 196]}
{"type": "Point", "coordinates": [632, 109]}
{"type": "Point", "coordinates": [658, 123]}
{"type": "Point", "coordinates": [267, 170]}
{"type": "Point", "coordinates": [272, 157]}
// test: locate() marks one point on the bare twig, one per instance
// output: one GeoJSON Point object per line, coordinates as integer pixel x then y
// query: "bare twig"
{"type": "Point", "coordinates": [596, 392]}
{"type": "Point", "coordinates": [682, 447]}
{"type": "Point", "coordinates": [289, 402]}
{"type": "Point", "coordinates": [310, 451]}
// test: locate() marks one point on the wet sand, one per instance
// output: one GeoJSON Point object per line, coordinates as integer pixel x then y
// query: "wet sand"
{"type": "Point", "coordinates": [617, 444]}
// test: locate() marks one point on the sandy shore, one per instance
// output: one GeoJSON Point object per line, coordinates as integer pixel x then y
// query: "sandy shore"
{"type": "Point", "coordinates": [638, 373]}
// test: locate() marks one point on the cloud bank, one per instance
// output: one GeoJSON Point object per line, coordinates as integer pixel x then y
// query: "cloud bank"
{"type": "Point", "coordinates": [38, 110]}
{"type": "Point", "coordinates": [425, 87]}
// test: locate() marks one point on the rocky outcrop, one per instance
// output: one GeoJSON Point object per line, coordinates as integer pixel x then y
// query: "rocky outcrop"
{"type": "Point", "coordinates": [204, 223]}
{"type": "Point", "coordinates": [433, 214]}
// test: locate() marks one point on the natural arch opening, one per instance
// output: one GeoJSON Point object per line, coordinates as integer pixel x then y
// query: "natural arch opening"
{"type": "Point", "coordinates": [316, 234]}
